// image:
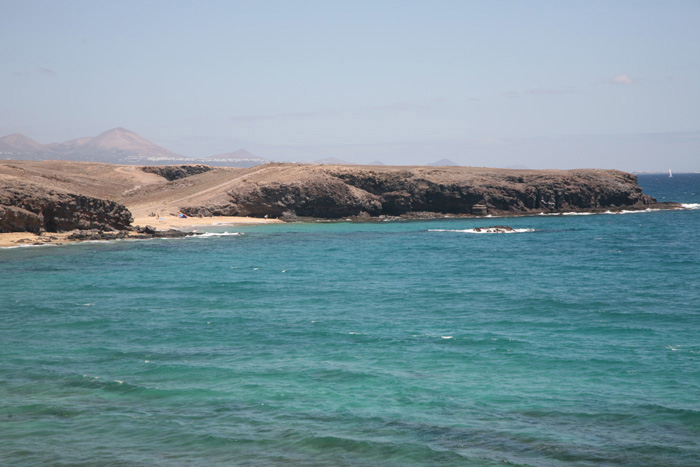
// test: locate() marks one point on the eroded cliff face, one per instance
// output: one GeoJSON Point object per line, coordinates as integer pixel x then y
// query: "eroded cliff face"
{"type": "Point", "coordinates": [56, 196]}
{"type": "Point", "coordinates": [176, 172]}
{"type": "Point", "coordinates": [345, 191]}
{"type": "Point", "coordinates": [28, 207]}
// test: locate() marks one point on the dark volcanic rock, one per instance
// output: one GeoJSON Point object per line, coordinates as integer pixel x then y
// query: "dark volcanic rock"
{"type": "Point", "coordinates": [27, 207]}
{"type": "Point", "coordinates": [173, 233]}
{"type": "Point", "coordinates": [14, 219]}
{"type": "Point", "coordinates": [94, 234]}
{"type": "Point", "coordinates": [495, 229]}
{"type": "Point", "coordinates": [287, 190]}
{"type": "Point", "coordinates": [176, 172]}
{"type": "Point", "coordinates": [141, 233]}
{"type": "Point", "coordinates": [150, 231]}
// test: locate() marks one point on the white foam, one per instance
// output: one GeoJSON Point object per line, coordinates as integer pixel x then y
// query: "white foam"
{"type": "Point", "coordinates": [594, 213]}
{"type": "Point", "coordinates": [633, 212]}
{"type": "Point", "coordinates": [566, 213]}
{"type": "Point", "coordinates": [484, 230]}
{"type": "Point", "coordinates": [27, 246]}
{"type": "Point", "coordinates": [218, 234]}
{"type": "Point", "coordinates": [691, 205]}
{"type": "Point", "coordinates": [446, 337]}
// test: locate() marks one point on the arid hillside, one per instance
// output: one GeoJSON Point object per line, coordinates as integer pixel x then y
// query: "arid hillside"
{"type": "Point", "coordinates": [324, 191]}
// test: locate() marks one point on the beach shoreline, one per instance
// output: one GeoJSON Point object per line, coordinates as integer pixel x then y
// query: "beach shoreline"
{"type": "Point", "coordinates": [190, 224]}
{"type": "Point", "coordinates": [15, 239]}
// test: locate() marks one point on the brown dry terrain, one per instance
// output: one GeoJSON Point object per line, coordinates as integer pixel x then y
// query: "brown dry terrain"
{"type": "Point", "coordinates": [272, 188]}
{"type": "Point", "coordinates": [141, 192]}
{"type": "Point", "coordinates": [55, 195]}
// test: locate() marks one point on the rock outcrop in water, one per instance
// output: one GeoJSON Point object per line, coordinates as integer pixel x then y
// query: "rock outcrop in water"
{"type": "Point", "coordinates": [341, 191]}
{"type": "Point", "coordinates": [28, 207]}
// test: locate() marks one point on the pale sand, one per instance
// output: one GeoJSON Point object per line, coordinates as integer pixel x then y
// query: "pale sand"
{"type": "Point", "coordinates": [172, 222]}
{"type": "Point", "coordinates": [28, 238]}
{"type": "Point", "coordinates": [168, 222]}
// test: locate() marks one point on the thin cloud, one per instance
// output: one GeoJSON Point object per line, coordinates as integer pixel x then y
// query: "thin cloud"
{"type": "Point", "coordinates": [402, 106]}
{"type": "Point", "coordinates": [511, 94]}
{"type": "Point", "coordinates": [46, 71]}
{"type": "Point", "coordinates": [283, 116]}
{"type": "Point", "coordinates": [397, 107]}
{"type": "Point", "coordinates": [40, 70]}
{"type": "Point", "coordinates": [549, 91]}
{"type": "Point", "coordinates": [619, 80]}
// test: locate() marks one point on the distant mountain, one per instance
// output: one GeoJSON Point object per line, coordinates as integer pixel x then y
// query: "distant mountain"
{"type": "Point", "coordinates": [240, 158]}
{"type": "Point", "coordinates": [332, 161]}
{"type": "Point", "coordinates": [518, 167]}
{"type": "Point", "coordinates": [68, 145]}
{"type": "Point", "coordinates": [6, 148]}
{"type": "Point", "coordinates": [442, 162]}
{"type": "Point", "coordinates": [20, 143]}
{"type": "Point", "coordinates": [117, 145]}
{"type": "Point", "coordinates": [376, 163]}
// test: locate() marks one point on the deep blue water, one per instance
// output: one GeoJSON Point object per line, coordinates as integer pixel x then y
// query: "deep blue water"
{"type": "Point", "coordinates": [576, 342]}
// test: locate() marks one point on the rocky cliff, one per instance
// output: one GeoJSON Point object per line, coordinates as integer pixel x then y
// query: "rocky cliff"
{"type": "Point", "coordinates": [29, 207]}
{"type": "Point", "coordinates": [342, 191]}
{"type": "Point", "coordinates": [176, 172]}
{"type": "Point", "coordinates": [54, 196]}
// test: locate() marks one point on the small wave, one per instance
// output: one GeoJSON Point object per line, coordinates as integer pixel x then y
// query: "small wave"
{"type": "Point", "coordinates": [484, 230]}
{"type": "Point", "coordinates": [31, 245]}
{"type": "Point", "coordinates": [572, 213]}
{"type": "Point", "coordinates": [624, 211]}
{"type": "Point", "coordinates": [691, 205]}
{"type": "Point", "coordinates": [564, 213]}
{"type": "Point", "coordinates": [636, 211]}
{"type": "Point", "coordinates": [219, 234]}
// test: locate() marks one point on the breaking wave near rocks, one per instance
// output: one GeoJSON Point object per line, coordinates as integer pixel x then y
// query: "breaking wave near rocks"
{"type": "Point", "coordinates": [485, 230]}
{"type": "Point", "coordinates": [219, 234]}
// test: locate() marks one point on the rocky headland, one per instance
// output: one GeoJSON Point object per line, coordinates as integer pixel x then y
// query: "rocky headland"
{"type": "Point", "coordinates": [102, 200]}
{"type": "Point", "coordinates": [333, 192]}
{"type": "Point", "coordinates": [28, 207]}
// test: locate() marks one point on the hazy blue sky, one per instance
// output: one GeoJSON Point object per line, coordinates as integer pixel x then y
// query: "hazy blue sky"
{"type": "Point", "coordinates": [545, 84]}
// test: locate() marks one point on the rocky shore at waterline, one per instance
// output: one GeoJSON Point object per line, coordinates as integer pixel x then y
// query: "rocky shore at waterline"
{"type": "Point", "coordinates": [100, 201]}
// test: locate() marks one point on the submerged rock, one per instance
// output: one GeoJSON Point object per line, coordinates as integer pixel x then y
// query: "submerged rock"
{"type": "Point", "coordinates": [494, 229]}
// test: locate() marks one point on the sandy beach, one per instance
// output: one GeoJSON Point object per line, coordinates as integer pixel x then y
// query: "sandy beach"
{"type": "Point", "coordinates": [160, 223]}
{"type": "Point", "coordinates": [173, 222]}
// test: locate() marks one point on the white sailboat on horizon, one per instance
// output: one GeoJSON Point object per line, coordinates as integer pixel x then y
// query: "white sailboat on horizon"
{"type": "Point", "coordinates": [670, 174]}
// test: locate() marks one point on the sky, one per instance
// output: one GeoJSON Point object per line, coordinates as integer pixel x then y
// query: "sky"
{"type": "Point", "coordinates": [497, 83]}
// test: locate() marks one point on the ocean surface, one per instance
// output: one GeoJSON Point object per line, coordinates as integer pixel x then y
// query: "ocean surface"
{"type": "Point", "coordinates": [574, 341]}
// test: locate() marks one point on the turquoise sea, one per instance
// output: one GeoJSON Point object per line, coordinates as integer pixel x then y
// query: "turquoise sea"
{"type": "Point", "coordinates": [573, 342]}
